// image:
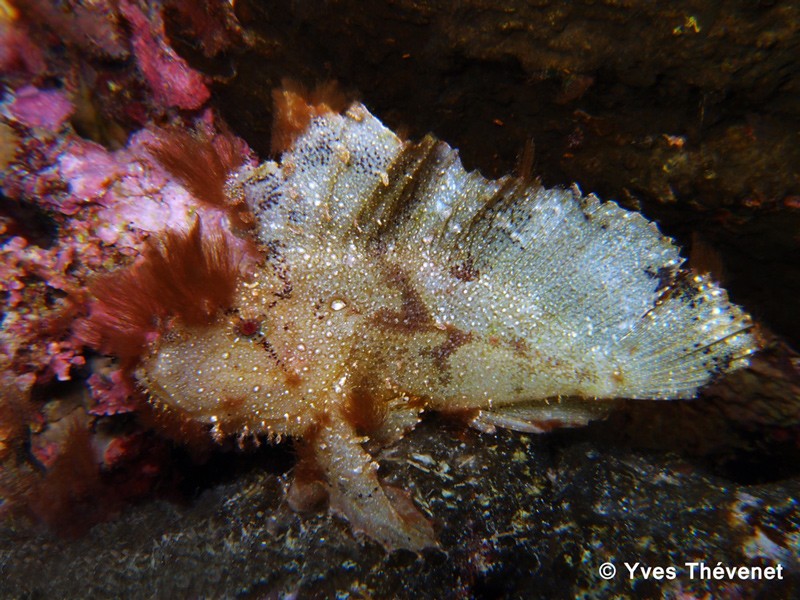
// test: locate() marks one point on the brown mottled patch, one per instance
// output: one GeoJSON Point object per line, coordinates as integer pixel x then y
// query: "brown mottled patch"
{"type": "Point", "coordinates": [231, 410]}
{"type": "Point", "coordinates": [309, 489]}
{"type": "Point", "coordinates": [465, 270]}
{"type": "Point", "coordinates": [363, 410]}
{"type": "Point", "coordinates": [413, 315]}
{"type": "Point", "coordinates": [293, 379]}
{"type": "Point", "coordinates": [520, 347]}
{"type": "Point", "coordinates": [454, 340]}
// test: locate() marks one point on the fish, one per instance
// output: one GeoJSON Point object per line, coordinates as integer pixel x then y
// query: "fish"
{"type": "Point", "coordinates": [389, 281]}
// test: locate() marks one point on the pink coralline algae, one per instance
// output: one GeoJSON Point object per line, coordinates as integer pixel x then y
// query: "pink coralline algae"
{"type": "Point", "coordinates": [18, 54]}
{"type": "Point", "coordinates": [106, 205]}
{"type": "Point", "coordinates": [37, 283]}
{"type": "Point", "coordinates": [112, 393]}
{"type": "Point", "coordinates": [170, 78]}
{"type": "Point", "coordinates": [62, 358]}
{"type": "Point", "coordinates": [79, 201]}
{"type": "Point", "coordinates": [41, 108]}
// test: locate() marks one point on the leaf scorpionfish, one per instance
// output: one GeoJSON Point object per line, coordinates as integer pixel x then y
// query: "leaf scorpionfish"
{"type": "Point", "coordinates": [391, 281]}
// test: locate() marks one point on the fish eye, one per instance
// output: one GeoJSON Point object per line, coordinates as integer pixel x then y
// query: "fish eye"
{"type": "Point", "coordinates": [248, 327]}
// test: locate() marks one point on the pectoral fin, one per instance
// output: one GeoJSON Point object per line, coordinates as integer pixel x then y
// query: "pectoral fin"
{"type": "Point", "coordinates": [357, 494]}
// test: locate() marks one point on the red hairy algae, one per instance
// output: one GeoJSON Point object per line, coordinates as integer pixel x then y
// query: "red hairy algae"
{"type": "Point", "coordinates": [189, 276]}
{"type": "Point", "coordinates": [203, 165]}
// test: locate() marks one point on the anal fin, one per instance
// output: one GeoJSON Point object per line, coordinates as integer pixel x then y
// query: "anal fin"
{"type": "Point", "coordinates": [541, 417]}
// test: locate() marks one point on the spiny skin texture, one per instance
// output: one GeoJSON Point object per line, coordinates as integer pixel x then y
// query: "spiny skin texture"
{"type": "Point", "coordinates": [394, 281]}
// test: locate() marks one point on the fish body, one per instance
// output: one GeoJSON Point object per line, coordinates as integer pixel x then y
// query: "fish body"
{"type": "Point", "coordinates": [393, 281]}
